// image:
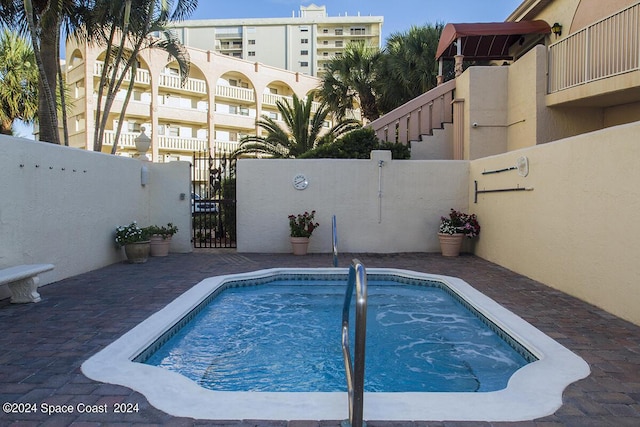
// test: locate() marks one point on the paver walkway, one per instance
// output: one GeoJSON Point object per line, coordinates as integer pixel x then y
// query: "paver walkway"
{"type": "Point", "coordinates": [43, 345]}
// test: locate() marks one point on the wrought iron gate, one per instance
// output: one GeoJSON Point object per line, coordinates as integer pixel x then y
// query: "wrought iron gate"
{"type": "Point", "coordinates": [213, 200]}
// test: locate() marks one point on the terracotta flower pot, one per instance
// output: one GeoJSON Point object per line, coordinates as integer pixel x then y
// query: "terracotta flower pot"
{"type": "Point", "coordinates": [299, 245]}
{"type": "Point", "coordinates": [138, 252]}
{"type": "Point", "coordinates": [450, 243]}
{"type": "Point", "coordinates": [160, 246]}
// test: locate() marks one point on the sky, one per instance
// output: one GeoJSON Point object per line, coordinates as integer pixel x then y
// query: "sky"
{"type": "Point", "coordinates": [399, 15]}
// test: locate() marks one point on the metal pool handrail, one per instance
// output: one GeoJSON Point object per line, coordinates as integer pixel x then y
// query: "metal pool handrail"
{"type": "Point", "coordinates": [355, 371]}
{"type": "Point", "coordinates": [334, 241]}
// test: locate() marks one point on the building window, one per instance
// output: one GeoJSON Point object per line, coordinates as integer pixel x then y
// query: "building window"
{"type": "Point", "coordinates": [338, 31]}
{"type": "Point", "coordinates": [273, 115]}
{"type": "Point", "coordinates": [304, 29]}
{"type": "Point", "coordinates": [325, 31]}
{"type": "Point", "coordinates": [304, 64]}
{"type": "Point", "coordinates": [325, 53]}
{"type": "Point", "coordinates": [304, 52]}
{"type": "Point", "coordinates": [252, 41]}
{"type": "Point", "coordinates": [304, 41]}
{"type": "Point", "coordinates": [133, 127]}
{"type": "Point", "coordinates": [251, 53]}
{"type": "Point", "coordinates": [358, 31]}
{"type": "Point", "coordinates": [325, 42]}
{"type": "Point", "coordinates": [339, 43]}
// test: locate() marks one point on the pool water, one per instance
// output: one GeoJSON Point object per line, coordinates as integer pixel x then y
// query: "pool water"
{"type": "Point", "coordinates": [284, 336]}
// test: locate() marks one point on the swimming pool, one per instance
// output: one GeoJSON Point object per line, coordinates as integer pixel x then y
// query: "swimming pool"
{"type": "Point", "coordinates": [284, 335]}
{"type": "Point", "coordinates": [533, 391]}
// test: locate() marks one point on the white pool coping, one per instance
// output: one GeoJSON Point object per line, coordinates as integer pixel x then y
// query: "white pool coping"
{"type": "Point", "coordinates": [533, 391]}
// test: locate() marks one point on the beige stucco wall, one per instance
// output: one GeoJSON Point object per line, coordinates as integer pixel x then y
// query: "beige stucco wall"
{"type": "Point", "coordinates": [575, 230]}
{"type": "Point", "coordinates": [405, 219]}
{"type": "Point", "coordinates": [483, 91]}
{"type": "Point", "coordinates": [61, 205]}
{"type": "Point", "coordinates": [621, 114]}
{"type": "Point", "coordinates": [590, 11]}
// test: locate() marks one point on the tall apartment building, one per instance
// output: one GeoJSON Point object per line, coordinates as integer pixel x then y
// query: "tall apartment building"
{"type": "Point", "coordinates": [303, 43]}
{"type": "Point", "coordinates": [239, 70]}
{"type": "Point", "coordinates": [217, 106]}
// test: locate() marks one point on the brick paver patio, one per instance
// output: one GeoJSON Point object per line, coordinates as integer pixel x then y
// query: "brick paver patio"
{"type": "Point", "coordinates": [43, 345]}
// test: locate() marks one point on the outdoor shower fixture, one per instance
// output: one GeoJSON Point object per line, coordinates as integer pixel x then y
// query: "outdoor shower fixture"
{"type": "Point", "coordinates": [380, 164]}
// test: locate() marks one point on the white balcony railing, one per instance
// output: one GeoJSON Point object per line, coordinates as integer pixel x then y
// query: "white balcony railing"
{"type": "Point", "coordinates": [142, 75]}
{"type": "Point", "coordinates": [175, 82]}
{"type": "Point", "coordinates": [604, 49]}
{"type": "Point", "coordinates": [126, 139]}
{"type": "Point", "coordinates": [271, 99]}
{"type": "Point", "coordinates": [234, 92]}
{"type": "Point", "coordinates": [165, 143]}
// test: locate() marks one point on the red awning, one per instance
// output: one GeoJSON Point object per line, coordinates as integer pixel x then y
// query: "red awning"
{"type": "Point", "coordinates": [488, 40]}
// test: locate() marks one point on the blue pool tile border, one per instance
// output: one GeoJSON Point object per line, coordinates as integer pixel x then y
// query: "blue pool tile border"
{"type": "Point", "coordinates": [143, 356]}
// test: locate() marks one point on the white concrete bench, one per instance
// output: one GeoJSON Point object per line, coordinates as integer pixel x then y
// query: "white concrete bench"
{"type": "Point", "coordinates": [23, 281]}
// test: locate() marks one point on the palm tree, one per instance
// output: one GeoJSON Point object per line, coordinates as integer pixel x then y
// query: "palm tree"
{"type": "Point", "coordinates": [349, 81]}
{"type": "Point", "coordinates": [125, 28]}
{"type": "Point", "coordinates": [408, 67]}
{"type": "Point", "coordinates": [303, 130]}
{"type": "Point", "coordinates": [42, 21]}
{"type": "Point", "coordinates": [18, 81]}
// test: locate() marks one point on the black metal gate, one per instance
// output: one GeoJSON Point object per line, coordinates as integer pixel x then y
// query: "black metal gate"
{"type": "Point", "coordinates": [213, 200]}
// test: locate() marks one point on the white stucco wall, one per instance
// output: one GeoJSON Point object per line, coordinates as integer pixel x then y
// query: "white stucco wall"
{"type": "Point", "coordinates": [575, 230]}
{"type": "Point", "coordinates": [61, 205]}
{"type": "Point", "coordinates": [405, 219]}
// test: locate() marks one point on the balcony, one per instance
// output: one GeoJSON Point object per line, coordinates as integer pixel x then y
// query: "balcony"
{"type": "Point", "coordinates": [190, 85]}
{"type": "Point", "coordinates": [142, 75]}
{"type": "Point", "coordinates": [236, 93]}
{"type": "Point", "coordinates": [272, 99]}
{"type": "Point", "coordinates": [176, 143]}
{"type": "Point", "coordinates": [126, 140]}
{"type": "Point", "coordinates": [598, 65]}
{"type": "Point", "coordinates": [165, 143]}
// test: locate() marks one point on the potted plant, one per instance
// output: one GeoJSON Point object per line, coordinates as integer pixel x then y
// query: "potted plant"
{"type": "Point", "coordinates": [301, 226]}
{"type": "Point", "coordinates": [160, 238]}
{"type": "Point", "coordinates": [135, 241]}
{"type": "Point", "coordinates": [454, 228]}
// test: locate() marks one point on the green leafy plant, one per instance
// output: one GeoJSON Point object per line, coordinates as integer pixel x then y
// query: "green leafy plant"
{"type": "Point", "coordinates": [302, 225]}
{"type": "Point", "coordinates": [460, 223]}
{"type": "Point", "coordinates": [164, 231]}
{"type": "Point", "coordinates": [357, 144]}
{"type": "Point", "coordinates": [131, 233]}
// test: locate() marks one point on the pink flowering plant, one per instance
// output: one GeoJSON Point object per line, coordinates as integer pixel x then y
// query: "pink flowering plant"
{"type": "Point", "coordinates": [460, 223]}
{"type": "Point", "coordinates": [302, 225]}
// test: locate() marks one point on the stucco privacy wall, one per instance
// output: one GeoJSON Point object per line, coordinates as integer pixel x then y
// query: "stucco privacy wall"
{"type": "Point", "coordinates": [405, 219]}
{"type": "Point", "coordinates": [576, 230]}
{"type": "Point", "coordinates": [61, 205]}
